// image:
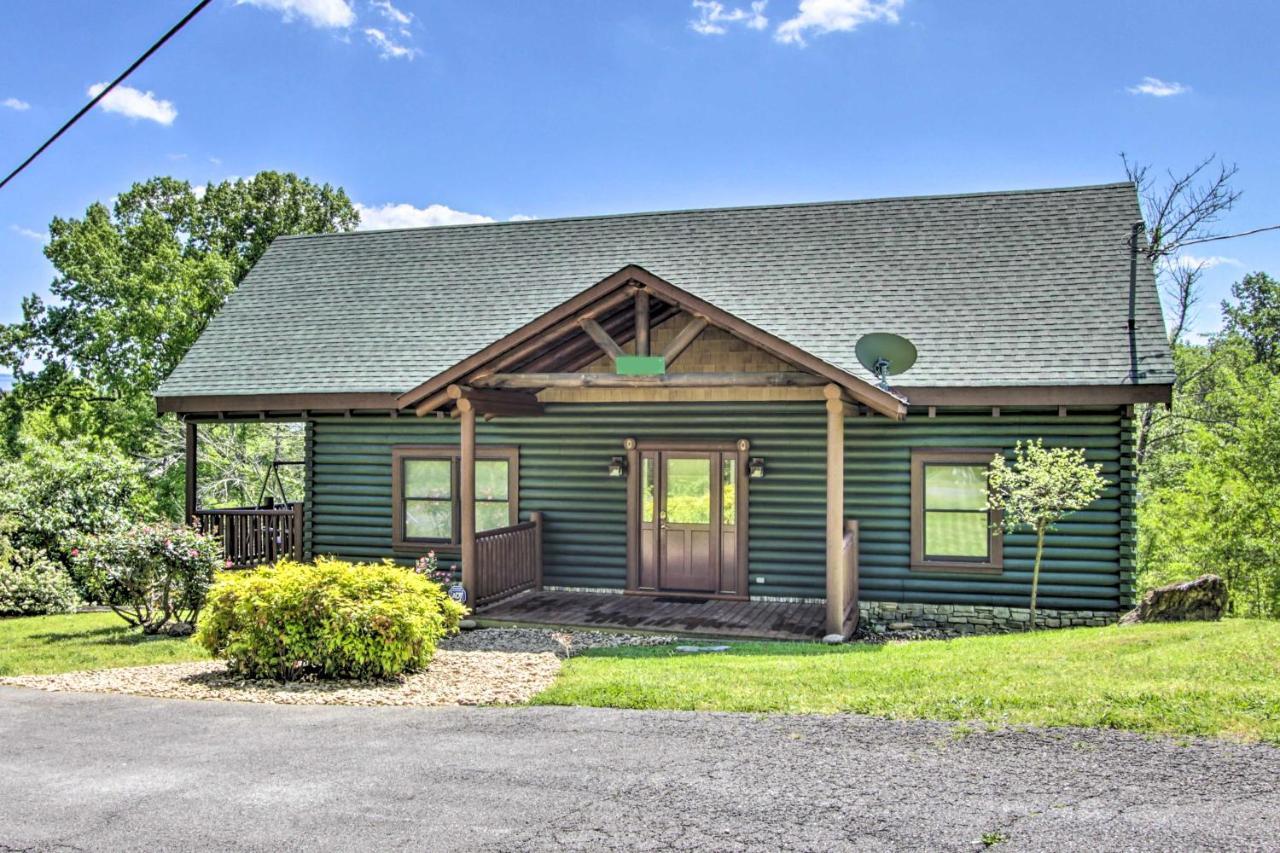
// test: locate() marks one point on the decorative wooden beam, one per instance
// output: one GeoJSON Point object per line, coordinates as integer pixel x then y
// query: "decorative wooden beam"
{"type": "Point", "coordinates": [577, 354]}
{"type": "Point", "coordinates": [490, 403]}
{"type": "Point", "coordinates": [669, 380]}
{"type": "Point", "coordinates": [546, 340]}
{"type": "Point", "coordinates": [432, 403]}
{"type": "Point", "coordinates": [602, 338]}
{"type": "Point", "coordinates": [642, 323]}
{"type": "Point", "coordinates": [680, 342]}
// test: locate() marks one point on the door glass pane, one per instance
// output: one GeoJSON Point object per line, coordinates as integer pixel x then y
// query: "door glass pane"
{"type": "Point", "coordinates": [491, 480]}
{"type": "Point", "coordinates": [427, 478]}
{"type": "Point", "coordinates": [961, 535]}
{"type": "Point", "coordinates": [646, 488]}
{"type": "Point", "coordinates": [688, 491]}
{"type": "Point", "coordinates": [729, 492]}
{"type": "Point", "coordinates": [955, 487]}
{"type": "Point", "coordinates": [428, 519]}
{"type": "Point", "coordinates": [491, 514]}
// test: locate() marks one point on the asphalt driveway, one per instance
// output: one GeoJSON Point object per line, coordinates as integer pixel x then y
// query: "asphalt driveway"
{"type": "Point", "coordinates": [126, 773]}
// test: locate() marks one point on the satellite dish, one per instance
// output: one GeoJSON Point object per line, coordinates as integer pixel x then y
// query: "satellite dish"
{"type": "Point", "coordinates": [885, 355]}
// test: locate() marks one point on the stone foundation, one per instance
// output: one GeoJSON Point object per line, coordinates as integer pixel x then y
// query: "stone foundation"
{"type": "Point", "coordinates": [887, 617]}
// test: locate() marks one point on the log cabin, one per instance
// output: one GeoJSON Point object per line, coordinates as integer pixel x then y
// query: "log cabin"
{"type": "Point", "coordinates": [661, 420]}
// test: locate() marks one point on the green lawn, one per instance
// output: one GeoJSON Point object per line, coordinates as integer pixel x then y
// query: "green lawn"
{"type": "Point", "coordinates": [1216, 679]}
{"type": "Point", "coordinates": [47, 644]}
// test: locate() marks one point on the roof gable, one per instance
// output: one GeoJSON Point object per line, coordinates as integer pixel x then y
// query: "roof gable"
{"type": "Point", "coordinates": [556, 341]}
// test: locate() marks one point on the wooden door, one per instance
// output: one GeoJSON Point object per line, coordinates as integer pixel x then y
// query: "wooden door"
{"type": "Point", "coordinates": [688, 523]}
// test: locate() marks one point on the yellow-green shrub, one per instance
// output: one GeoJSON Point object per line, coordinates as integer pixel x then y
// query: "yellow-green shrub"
{"type": "Point", "coordinates": [330, 619]}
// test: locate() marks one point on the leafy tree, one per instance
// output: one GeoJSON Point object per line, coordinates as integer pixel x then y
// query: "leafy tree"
{"type": "Point", "coordinates": [1212, 502]}
{"type": "Point", "coordinates": [1255, 316]}
{"type": "Point", "coordinates": [1041, 487]}
{"type": "Point", "coordinates": [136, 284]}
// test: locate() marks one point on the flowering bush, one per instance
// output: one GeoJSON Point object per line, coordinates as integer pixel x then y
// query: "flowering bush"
{"type": "Point", "coordinates": [33, 585]}
{"type": "Point", "coordinates": [330, 619]}
{"type": "Point", "coordinates": [55, 494]}
{"type": "Point", "coordinates": [154, 575]}
{"type": "Point", "coordinates": [429, 567]}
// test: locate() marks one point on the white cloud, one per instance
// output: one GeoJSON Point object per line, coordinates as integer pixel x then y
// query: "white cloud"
{"type": "Point", "coordinates": [391, 13]}
{"type": "Point", "coordinates": [835, 16]}
{"type": "Point", "coordinates": [329, 14]}
{"type": "Point", "coordinates": [713, 16]}
{"type": "Point", "coordinates": [1208, 262]}
{"type": "Point", "coordinates": [42, 236]}
{"type": "Point", "coordinates": [16, 104]}
{"type": "Point", "coordinates": [407, 216]}
{"type": "Point", "coordinates": [389, 48]}
{"type": "Point", "coordinates": [134, 103]}
{"type": "Point", "coordinates": [1158, 88]}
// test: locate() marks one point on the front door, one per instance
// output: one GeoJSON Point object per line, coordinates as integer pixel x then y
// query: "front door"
{"type": "Point", "coordinates": [688, 523]}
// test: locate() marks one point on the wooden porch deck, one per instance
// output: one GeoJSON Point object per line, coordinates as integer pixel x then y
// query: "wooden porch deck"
{"type": "Point", "coordinates": [763, 620]}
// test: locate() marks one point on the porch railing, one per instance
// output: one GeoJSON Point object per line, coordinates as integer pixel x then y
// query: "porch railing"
{"type": "Point", "coordinates": [253, 536]}
{"type": "Point", "coordinates": [849, 565]}
{"type": "Point", "coordinates": [508, 560]}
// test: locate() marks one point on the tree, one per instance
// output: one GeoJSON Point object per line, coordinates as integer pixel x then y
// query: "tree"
{"type": "Point", "coordinates": [1179, 210]}
{"type": "Point", "coordinates": [1255, 316]}
{"type": "Point", "coordinates": [136, 284]}
{"type": "Point", "coordinates": [1038, 490]}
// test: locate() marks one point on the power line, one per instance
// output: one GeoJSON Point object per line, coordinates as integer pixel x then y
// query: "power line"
{"type": "Point", "coordinates": [1230, 236]}
{"type": "Point", "coordinates": [134, 67]}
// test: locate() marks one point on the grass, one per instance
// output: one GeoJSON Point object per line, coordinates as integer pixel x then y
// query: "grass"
{"type": "Point", "coordinates": [36, 645]}
{"type": "Point", "coordinates": [1207, 679]}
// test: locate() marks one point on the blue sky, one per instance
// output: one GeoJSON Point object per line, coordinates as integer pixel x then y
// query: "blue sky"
{"type": "Point", "coordinates": [426, 111]}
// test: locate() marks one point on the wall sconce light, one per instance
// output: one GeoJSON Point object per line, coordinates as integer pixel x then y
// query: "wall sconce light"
{"type": "Point", "coordinates": [755, 468]}
{"type": "Point", "coordinates": [617, 466]}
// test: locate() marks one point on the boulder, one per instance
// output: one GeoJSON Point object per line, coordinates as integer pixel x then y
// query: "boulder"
{"type": "Point", "coordinates": [1203, 599]}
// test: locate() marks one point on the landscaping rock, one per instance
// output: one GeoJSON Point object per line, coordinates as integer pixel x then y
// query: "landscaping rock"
{"type": "Point", "coordinates": [1203, 599]}
{"type": "Point", "coordinates": [493, 666]}
{"type": "Point", "coordinates": [833, 639]}
{"type": "Point", "coordinates": [467, 624]}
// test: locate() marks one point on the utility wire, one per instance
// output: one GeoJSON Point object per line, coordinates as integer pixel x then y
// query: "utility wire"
{"type": "Point", "coordinates": [1230, 236]}
{"type": "Point", "coordinates": [134, 67]}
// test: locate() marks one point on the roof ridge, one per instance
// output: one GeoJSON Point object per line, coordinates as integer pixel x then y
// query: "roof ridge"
{"type": "Point", "coordinates": [729, 209]}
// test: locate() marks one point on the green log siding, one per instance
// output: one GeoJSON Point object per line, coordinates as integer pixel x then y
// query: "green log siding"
{"type": "Point", "coordinates": [564, 455]}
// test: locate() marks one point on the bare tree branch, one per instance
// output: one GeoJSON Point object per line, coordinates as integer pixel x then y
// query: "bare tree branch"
{"type": "Point", "coordinates": [1182, 208]}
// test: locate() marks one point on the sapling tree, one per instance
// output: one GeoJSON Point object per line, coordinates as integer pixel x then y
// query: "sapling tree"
{"type": "Point", "coordinates": [1038, 489]}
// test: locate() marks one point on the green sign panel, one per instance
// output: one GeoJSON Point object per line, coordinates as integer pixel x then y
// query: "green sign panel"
{"type": "Point", "coordinates": [640, 365]}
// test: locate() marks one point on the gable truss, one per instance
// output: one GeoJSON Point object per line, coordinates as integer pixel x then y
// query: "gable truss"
{"type": "Point", "coordinates": [551, 351]}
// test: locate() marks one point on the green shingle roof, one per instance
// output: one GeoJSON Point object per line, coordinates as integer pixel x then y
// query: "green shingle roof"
{"type": "Point", "coordinates": [995, 289]}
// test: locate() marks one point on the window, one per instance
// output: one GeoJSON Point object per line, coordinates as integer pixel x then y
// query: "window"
{"type": "Point", "coordinates": [951, 527]}
{"type": "Point", "coordinates": [425, 485]}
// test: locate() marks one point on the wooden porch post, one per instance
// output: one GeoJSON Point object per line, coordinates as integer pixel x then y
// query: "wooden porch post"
{"type": "Point", "coordinates": [467, 498]}
{"type": "Point", "coordinates": [191, 458]}
{"type": "Point", "coordinates": [835, 510]}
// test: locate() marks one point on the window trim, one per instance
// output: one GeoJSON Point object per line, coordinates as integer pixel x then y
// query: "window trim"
{"type": "Point", "coordinates": [401, 453]}
{"type": "Point", "coordinates": [994, 564]}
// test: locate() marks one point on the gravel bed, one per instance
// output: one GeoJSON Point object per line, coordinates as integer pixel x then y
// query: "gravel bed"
{"type": "Point", "coordinates": [498, 666]}
{"type": "Point", "coordinates": [562, 644]}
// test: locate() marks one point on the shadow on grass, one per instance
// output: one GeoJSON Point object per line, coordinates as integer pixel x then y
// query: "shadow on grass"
{"type": "Point", "coordinates": [116, 635]}
{"type": "Point", "coordinates": [737, 648]}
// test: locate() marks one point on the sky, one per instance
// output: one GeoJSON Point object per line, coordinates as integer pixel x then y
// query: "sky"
{"type": "Point", "coordinates": [438, 111]}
